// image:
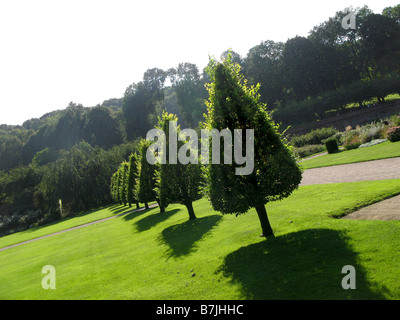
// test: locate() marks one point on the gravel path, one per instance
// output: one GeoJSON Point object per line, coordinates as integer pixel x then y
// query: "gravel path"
{"type": "Point", "coordinates": [370, 170]}
{"type": "Point", "coordinates": [388, 209]}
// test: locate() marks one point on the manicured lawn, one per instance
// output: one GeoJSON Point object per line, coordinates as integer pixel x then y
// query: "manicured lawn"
{"type": "Point", "coordinates": [148, 255]}
{"type": "Point", "coordinates": [381, 151]}
{"type": "Point", "coordinates": [80, 219]}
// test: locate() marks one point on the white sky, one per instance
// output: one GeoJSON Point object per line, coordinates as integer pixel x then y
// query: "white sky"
{"type": "Point", "coordinates": [56, 51]}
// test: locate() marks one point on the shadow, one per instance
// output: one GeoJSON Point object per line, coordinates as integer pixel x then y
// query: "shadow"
{"type": "Point", "coordinates": [121, 209]}
{"type": "Point", "coordinates": [134, 213]}
{"type": "Point", "coordinates": [151, 220]}
{"type": "Point", "coordinates": [181, 237]}
{"type": "Point", "coordinates": [299, 266]}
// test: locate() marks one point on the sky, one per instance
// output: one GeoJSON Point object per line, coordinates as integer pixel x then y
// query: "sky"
{"type": "Point", "coordinates": [53, 52]}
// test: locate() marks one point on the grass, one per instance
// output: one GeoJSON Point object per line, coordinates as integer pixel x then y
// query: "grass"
{"type": "Point", "coordinates": [381, 151]}
{"type": "Point", "coordinates": [390, 97]}
{"type": "Point", "coordinates": [80, 219]}
{"type": "Point", "coordinates": [147, 255]}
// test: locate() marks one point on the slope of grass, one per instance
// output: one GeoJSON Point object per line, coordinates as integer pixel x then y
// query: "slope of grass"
{"type": "Point", "coordinates": [381, 151]}
{"type": "Point", "coordinates": [148, 255]}
{"type": "Point", "coordinates": [80, 219]}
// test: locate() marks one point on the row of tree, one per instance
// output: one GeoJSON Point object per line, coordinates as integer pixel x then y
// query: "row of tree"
{"type": "Point", "coordinates": [138, 181]}
{"type": "Point", "coordinates": [231, 104]}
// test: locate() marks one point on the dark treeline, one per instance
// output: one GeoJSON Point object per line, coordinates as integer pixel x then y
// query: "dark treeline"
{"type": "Point", "coordinates": [71, 154]}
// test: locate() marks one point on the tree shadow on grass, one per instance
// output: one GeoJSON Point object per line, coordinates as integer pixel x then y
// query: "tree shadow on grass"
{"type": "Point", "coordinates": [302, 265]}
{"type": "Point", "coordinates": [151, 220]}
{"type": "Point", "coordinates": [181, 238]}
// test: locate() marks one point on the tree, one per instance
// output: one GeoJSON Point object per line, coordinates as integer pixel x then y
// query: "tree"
{"type": "Point", "coordinates": [233, 104]}
{"type": "Point", "coordinates": [190, 92]}
{"type": "Point", "coordinates": [147, 177]}
{"type": "Point", "coordinates": [132, 196]}
{"type": "Point", "coordinates": [178, 183]}
{"type": "Point", "coordinates": [302, 66]}
{"type": "Point", "coordinates": [392, 12]}
{"type": "Point", "coordinates": [141, 103]}
{"type": "Point", "coordinates": [380, 40]}
{"type": "Point", "coordinates": [101, 129]}
{"type": "Point", "coordinates": [124, 168]}
{"type": "Point", "coordinates": [263, 65]}
{"type": "Point", "coordinates": [114, 187]}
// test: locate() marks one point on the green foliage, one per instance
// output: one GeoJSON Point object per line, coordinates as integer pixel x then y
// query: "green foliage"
{"type": "Point", "coordinates": [190, 92]}
{"type": "Point", "coordinates": [315, 108]}
{"type": "Point", "coordinates": [101, 129]}
{"type": "Point", "coordinates": [233, 104]}
{"type": "Point", "coordinates": [147, 176]}
{"type": "Point", "coordinates": [132, 194]}
{"type": "Point", "coordinates": [141, 102]}
{"type": "Point", "coordinates": [331, 145]}
{"type": "Point", "coordinates": [177, 183]}
{"type": "Point", "coordinates": [308, 150]}
{"type": "Point", "coordinates": [80, 179]}
{"type": "Point", "coordinates": [313, 137]}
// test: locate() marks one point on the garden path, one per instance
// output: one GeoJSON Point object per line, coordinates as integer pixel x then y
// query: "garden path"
{"type": "Point", "coordinates": [383, 169]}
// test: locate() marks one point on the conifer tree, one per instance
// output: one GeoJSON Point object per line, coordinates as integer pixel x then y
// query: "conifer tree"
{"type": "Point", "coordinates": [147, 177]}
{"type": "Point", "coordinates": [178, 183]}
{"type": "Point", "coordinates": [233, 104]}
{"type": "Point", "coordinates": [132, 181]}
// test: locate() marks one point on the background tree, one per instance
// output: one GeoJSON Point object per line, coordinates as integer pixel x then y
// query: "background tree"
{"type": "Point", "coordinates": [101, 129]}
{"type": "Point", "coordinates": [233, 104]}
{"type": "Point", "coordinates": [263, 64]}
{"type": "Point", "coordinates": [141, 103]}
{"type": "Point", "coordinates": [392, 12]}
{"type": "Point", "coordinates": [190, 92]}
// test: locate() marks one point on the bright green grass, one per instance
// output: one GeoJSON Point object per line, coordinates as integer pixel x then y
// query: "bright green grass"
{"type": "Point", "coordinates": [80, 219]}
{"type": "Point", "coordinates": [380, 151]}
{"type": "Point", "coordinates": [148, 255]}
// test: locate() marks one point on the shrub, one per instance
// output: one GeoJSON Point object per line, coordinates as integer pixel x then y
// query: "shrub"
{"type": "Point", "coordinates": [308, 150]}
{"type": "Point", "coordinates": [352, 144]}
{"type": "Point", "coordinates": [395, 119]}
{"type": "Point", "coordinates": [313, 137]}
{"type": "Point", "coordinates": [331, 145]}
{"type": "Point", "coordinates": [371, 132]}
{"type": "Point", "coordinates": [393, 134]}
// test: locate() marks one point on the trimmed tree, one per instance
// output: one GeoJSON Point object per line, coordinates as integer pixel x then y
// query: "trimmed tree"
{"type": "Point", "coordinates": [147, 177]}
{"type": "Point", "coordinates": [177, 182]}
{"type": "Point", "coordinates": [124, 182]}
{"type": "Point", "coordinates": [233, 104]}
{"type": "Point", "coordinates": [132, 181]}
{"type": "Point", "coordinates": [114, 187]}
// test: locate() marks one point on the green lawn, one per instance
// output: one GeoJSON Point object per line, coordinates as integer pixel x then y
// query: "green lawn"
{"type": "Point", "coordinates": [380, 151]}
{"type": "Point", "coordinates": [148, 255]}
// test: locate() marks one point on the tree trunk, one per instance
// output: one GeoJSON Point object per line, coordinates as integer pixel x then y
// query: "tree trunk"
{"type": "Point", "coordinates": [146, 205]}
{"type": "Point", "coordinates": [162, 209]}
{"type": "Point", "coordinates": [190, 210]}
{"type": "Point", "coordinates": [265, 225]}
{"type": "Point", "coordinates": [137, 205]}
